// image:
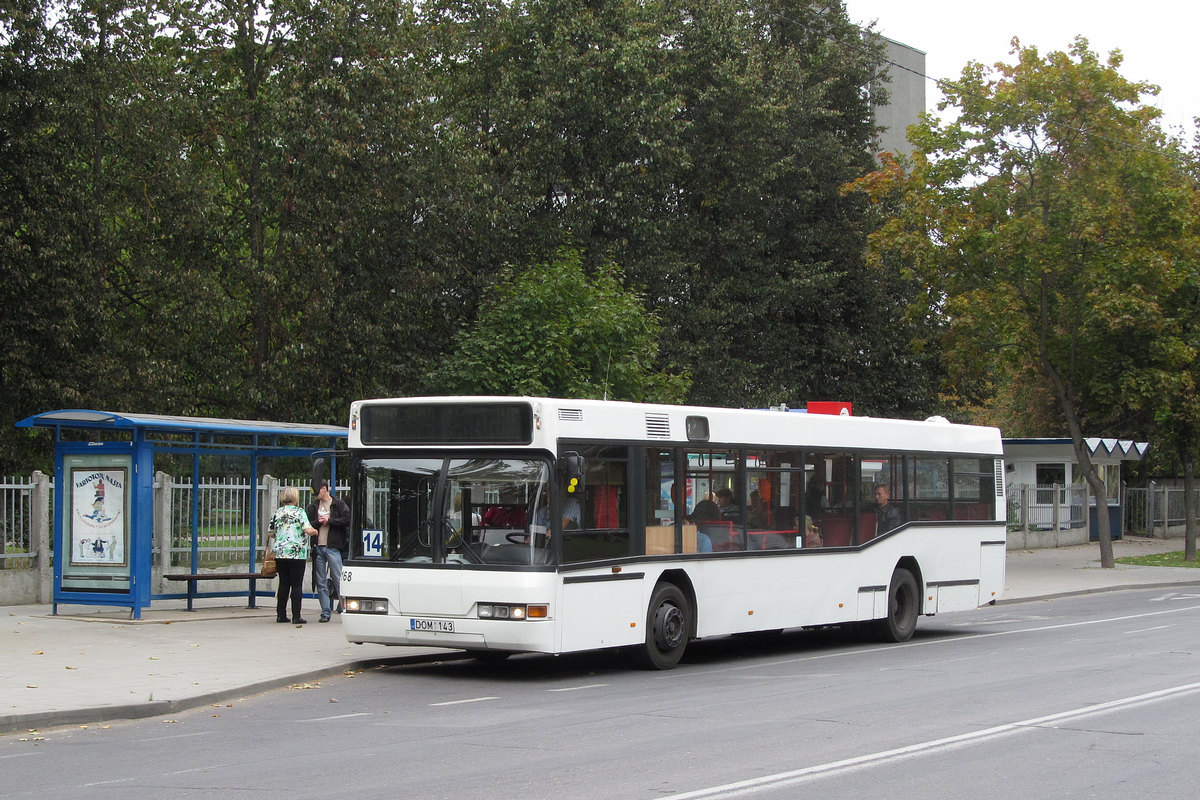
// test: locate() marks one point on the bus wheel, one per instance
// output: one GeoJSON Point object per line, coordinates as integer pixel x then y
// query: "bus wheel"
{"type": "Point", "coordinates": [902, 609]}
{"type": "Point", "coordinates": [668, 625]}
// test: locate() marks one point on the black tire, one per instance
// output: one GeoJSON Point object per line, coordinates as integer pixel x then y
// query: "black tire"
{"type": "Point", "coordinates": [668, 628]}
{"type": "Point", "coordinates": [903, 608]}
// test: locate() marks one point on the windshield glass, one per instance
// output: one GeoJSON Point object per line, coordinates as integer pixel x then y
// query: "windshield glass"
{"type": "Point", "coordinates": [457, 510]}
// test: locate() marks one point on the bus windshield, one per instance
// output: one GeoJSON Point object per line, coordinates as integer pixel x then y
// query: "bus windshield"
{"type": "Point", "coordinates": [484, 510]}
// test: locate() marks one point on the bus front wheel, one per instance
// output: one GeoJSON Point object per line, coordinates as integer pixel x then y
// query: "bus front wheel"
{"type": "Point", "coordinates": [668, 626]}
{"type": "Point", "coordinates": [903, 607]}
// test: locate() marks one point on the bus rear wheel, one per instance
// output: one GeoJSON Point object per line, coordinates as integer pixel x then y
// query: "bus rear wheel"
{"type": "Point", "coordinates": [903, 607]}
{"type": "Point", "coordinates": [668, 626]}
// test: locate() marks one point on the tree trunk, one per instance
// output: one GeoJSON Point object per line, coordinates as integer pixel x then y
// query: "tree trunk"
{"type": "Point", "coordinates": [1189, 506]}
{"type": "Point", "coordinates": [1098, 489]}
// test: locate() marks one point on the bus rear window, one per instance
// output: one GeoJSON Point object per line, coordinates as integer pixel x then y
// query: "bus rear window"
{"type": "Point", "coordinates": [453, 423]}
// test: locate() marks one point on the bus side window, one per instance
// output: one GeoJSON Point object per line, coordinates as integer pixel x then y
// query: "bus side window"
{"type": "Point", "coordinates": [603, 527]}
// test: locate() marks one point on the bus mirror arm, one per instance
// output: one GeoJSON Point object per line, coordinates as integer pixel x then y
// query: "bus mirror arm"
{"type": "Point", "coordinates": [319, 464]}
{"type": "Point", "coordinates": [571, 468]}
{"type": "Point", "coordinates": [318, 473]}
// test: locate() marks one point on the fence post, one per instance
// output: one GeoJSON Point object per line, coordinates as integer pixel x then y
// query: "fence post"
{"type": "Point", "coordinates": [1025, 510]}
{"type": "Point", "coordinates": [1055, 512]}
{"type": "Point", "coordinates": [1166, 511]}
{"type": "Point", "coordinates": [1150, 504]}
{"type": "Point", "coordinates": [162, 518]}
{"type": "Point", "coordinates": [41, 535]}
{"type": "Point", "coordinates": [1087, 511]}
{"type": "Point", "coordinates": [266, 509]}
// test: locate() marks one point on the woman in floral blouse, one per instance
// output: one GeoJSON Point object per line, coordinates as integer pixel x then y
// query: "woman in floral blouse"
{"type": "Point", "coordinates": [291, 529]}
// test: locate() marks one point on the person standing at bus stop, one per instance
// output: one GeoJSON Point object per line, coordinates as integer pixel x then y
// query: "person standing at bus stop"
{"type": "Point", "coordinates": [332, 518]}
{"type": "Point", "coordinates": [290, 528]}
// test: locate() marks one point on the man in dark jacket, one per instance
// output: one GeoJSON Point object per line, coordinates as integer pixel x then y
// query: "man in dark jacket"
{"type": "Point", "coordinates": [887, 516]}
{"type": "Point", "coordinates": [331, 517]}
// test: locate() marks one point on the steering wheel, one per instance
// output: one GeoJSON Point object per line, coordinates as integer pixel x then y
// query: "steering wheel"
{"type": "Point", "coordinates": [517, 537]}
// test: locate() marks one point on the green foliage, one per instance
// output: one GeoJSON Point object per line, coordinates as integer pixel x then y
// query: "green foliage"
{"type": "Point", "coordinates": [552, 330]}
{"type": "Point", "coordinates": [1175, 559]}
{"type": "Point", "coordinates": [268, 209]}
{"type": "Point", "coordinates": [1057, 224]}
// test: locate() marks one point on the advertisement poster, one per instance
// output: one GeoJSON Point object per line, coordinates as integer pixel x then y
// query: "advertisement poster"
{"type": "Point", "coordinates": [98, 529]}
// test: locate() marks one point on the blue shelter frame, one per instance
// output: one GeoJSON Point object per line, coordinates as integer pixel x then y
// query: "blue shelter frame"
{"type": "Point", "coordinates": [104, 492]}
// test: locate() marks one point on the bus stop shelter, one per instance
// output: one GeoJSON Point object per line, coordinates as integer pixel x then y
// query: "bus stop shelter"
{"type": "Point", "coordinates": [104, 465]}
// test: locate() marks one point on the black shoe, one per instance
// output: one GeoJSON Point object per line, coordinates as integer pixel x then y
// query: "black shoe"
{"type": "Point", "coordinates": [299, 621]}
{"type": "Point", "coordinates": [324, 618]}
{"type": "Point", "coordinates": [281, 619]}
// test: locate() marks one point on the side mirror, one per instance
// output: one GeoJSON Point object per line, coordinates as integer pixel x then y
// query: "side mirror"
{"type": "Point", "coordinates": [571, 469]}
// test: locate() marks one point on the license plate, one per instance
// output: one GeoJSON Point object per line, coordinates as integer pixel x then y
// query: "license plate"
{"type": "Point", "coordinates": [439, 625]}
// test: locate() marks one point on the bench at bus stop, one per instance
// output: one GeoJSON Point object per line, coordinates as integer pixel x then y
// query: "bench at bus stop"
{"type": "Point", "coordinates": [194, 578]}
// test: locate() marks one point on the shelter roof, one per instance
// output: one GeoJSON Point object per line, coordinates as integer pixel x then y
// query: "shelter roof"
{"type": "Point", "coordinates": [108, 420]}
{"type": "Point", "coordinates": [1120, 449]}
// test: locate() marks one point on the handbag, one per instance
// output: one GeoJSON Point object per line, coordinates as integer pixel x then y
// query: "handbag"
{"type": "Point", "coordinates": [268, 564]}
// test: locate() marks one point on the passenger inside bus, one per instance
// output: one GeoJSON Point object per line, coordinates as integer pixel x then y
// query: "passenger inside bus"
{"type": "Point", "coordinates": [709, 524]}
{"type": "Point", "coordinates": [705, 511]}
{"type": "Point", "coordinates": [729, 510]}
{"type": "Point", "coordinates": [812, 534]}
{"type": "Point", "coordinates": [756, 513]}
{"type": "Point", "coordinates": [887, 516]}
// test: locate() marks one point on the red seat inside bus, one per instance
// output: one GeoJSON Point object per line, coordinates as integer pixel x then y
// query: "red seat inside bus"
{"type": "Point", "coordinates": [722, 534]}
{"type": "Point", "coordinates": [771, 540]}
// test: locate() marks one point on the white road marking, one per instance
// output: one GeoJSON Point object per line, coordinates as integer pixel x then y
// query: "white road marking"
{"type": "Point", "coordinates": [783, 779]}
{"type": "Point", "coordinates": [460, 702]}
{"type": "Point", "coordinates": [339, 716]}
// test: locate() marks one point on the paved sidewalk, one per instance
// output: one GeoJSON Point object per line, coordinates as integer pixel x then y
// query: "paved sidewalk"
{"type": "Point", "coordinates": [91, 664]}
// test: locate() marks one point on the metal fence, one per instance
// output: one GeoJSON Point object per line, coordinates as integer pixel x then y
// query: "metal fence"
{"type": "Point", "coordinates": [18, 544]}
{"type": "Point", "coordinates": [1155, 510]}
{"type": "Point", "coordinates": [1046, 508]}
{"type": "Point", "coordinates": [221, 508]}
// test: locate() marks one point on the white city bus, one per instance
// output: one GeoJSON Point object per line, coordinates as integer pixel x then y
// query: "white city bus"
{"type": "Point", "coordinates": [502, 525]}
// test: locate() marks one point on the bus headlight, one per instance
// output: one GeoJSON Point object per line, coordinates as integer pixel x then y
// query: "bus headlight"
{"type": "Point", "coordinates": [512, 611]}
{"type": "Point", "coordinates": [365, 605]}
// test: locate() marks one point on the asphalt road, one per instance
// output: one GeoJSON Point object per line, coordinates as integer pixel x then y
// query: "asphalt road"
{"type": "Point", "coordinates": [1091, 696]}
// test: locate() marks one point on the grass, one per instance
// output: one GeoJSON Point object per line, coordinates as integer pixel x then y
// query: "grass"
{"type": "Point", "coordinates": [1160, 560]}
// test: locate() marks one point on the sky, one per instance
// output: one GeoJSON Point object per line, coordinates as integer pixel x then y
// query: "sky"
{"type": "Point", "coordinates": [1156, 37]}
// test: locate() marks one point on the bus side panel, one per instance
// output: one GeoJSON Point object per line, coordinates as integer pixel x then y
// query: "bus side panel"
{"type": "Point", "coordinates": [827, 588]}
{"type": "Point", "coordinates": [872, 603]}
{"type": "Point", "coordinates": [601, 613]}
{"type": "Point", "coordinates": [737, 595]}
{"type": "Point", "coordinates": [992, 555]}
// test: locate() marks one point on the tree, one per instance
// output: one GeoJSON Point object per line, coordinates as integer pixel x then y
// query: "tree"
{"type": "Point", "coordinates": [552, 330]}
{"type": "Point", "coordinates": [1049, 219]}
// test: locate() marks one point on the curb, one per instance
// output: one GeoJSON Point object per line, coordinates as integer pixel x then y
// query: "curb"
{"type": "Point", "coordinates": [1097, 590]}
